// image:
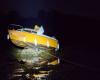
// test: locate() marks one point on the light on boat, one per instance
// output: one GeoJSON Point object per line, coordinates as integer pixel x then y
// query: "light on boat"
{"type": "Point", "coordinates": [35, 42]}
{"type": "Point", "coordinates": [48, 44]}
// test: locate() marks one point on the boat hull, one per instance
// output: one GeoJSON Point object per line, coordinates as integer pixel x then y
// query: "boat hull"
{"type": "Point", "coordinates": [23, 39]}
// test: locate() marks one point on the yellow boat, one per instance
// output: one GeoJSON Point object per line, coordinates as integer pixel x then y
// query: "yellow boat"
{"type": "Point", "coordinates": [28, 37]}
{"type": "Point", "coordinates": [38, 52]}
{"type": "Point", "coordinates": [34, 40]}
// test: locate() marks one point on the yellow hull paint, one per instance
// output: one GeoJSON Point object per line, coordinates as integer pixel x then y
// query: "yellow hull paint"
{"type": "Point", "coordinates": [55, 62]}
{"type": "Point", "coordinates": [21, 38]}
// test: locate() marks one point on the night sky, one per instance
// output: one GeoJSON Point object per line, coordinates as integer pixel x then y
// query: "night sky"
{"type": "Point", "coordinates": [29, 8]}
{"type": "Point", "coordinates": [75, 23]}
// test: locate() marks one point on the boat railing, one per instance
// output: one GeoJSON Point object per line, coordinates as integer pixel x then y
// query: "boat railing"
{"type": "Point", "coordinates": [14, 27]}
{"type": "Point", "coordinates": [26, 30]}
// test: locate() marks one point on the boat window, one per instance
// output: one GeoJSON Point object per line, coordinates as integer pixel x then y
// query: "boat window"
{"type": "Point", "coordinates": [34, 32]}
{"type": "Point", "coordinates": [27, 30]}
{"type": "Point", "coordinates": [19, 29]}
